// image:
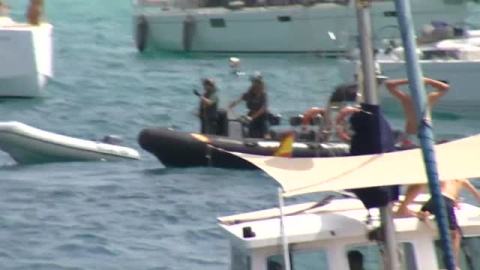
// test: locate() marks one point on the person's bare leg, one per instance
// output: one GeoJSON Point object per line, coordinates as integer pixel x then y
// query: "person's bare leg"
{"type": "Point", "coordinates": [410, 195]}
{"type": "Point", "coordinates": [425, 217]}
{"type": "Point", "coordinates": [456, 238]}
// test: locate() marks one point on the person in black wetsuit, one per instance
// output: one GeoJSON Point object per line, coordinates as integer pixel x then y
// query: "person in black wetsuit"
{"type": "Point", "coordinates": [256, 101]}
{"type": "Point", "coordinates": [208, 107]}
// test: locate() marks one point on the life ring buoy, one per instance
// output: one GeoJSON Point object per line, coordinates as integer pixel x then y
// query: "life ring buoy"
{"type": "Point", "coordinates": [141, 35]}
{"type": "Point", "coordinates": [340, 122]}
{"type": "Point", "coordinates": [307, 118]}
{"type": "Point", "coordinates": [188, 31]}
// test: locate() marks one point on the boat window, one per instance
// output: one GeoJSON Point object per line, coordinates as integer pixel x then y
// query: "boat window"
{"type": "Point", "coordinates": [454, 2]}
{"type": "Point", "coordinates": [284, 18]}
{"type": "Point", "coordinates": [440, 55]}
{"type": "Point", "coordinates": [240, 260]}
{"type": "Point", "coordinates": [468, 257]}
{"type": "Point", "coordinates": [217, 22]}
{"type": "Point", "coordinates": [301, 260]}
{"type": "Point", "coordinates": [372, 257]}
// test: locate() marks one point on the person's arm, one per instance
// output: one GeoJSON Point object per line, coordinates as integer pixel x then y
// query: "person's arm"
{"type": "Point", "coordinates": [235, 102]}
{"type": "Point", "coordinates": [258, 113]}
{"type": "Point", "coordinates": [208, 102]}
{"type": "Point", "coordinates": [466, 184]}
{"type": "Point", "coordinates": [441, 89]}
{"type": "Point", "coordinates": [392, 88]}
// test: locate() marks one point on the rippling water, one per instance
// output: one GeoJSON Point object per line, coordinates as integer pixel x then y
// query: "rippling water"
{"type": "Point", "coordinates": [140, 215]}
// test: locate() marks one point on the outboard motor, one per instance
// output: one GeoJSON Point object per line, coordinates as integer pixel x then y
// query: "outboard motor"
{"type": "Point", "coordinates": [274, 119]}
{"type": "Point", "coordinates": [296, 121]}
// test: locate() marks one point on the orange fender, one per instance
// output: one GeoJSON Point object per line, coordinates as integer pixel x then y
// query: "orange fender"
{"type": "Point", "coordinates": [309, 114]}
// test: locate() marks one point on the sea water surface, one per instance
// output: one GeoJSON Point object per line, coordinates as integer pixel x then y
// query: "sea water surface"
{"type": "Point", "coordinates": [139, 214]}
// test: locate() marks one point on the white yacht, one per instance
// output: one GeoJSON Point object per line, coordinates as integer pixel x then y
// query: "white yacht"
{"type": "Point", "coordinates": [271, 26]}
{"type": "Point", "coordinates": [26, 55]}
{"type": "Point", "coordinates": [455, 61]}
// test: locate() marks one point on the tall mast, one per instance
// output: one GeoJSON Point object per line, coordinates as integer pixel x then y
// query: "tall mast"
{"type": "Point", "coordinates": [425, 134]}
{"type": "Point", "coordinates": [370, 94]}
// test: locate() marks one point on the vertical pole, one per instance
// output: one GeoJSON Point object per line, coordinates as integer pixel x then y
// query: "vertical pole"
{"type": "Point", "coordinates": [424, 126]}
{"type": "Point", "coordinates": [286, 252]}
{"type": "Point", "coordinates": [371, 97]}
{"type": "Point", "coordinates": [366, 53]}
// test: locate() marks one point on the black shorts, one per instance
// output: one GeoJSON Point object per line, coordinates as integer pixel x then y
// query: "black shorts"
{"type": "Point", "coordinates": [450, 207]}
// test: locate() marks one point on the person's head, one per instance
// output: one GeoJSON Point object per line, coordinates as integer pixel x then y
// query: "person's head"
{"type": "Point", "coordinates": [355, 260]}
{"type": "Point", "coordinates": [234, 62]}
{"type": "Point", "coordinates": [208, 84]}
{"type": "Point", "coordinates": [257, 83]}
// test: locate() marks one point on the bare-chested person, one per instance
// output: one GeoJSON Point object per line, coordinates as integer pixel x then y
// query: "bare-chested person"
{"type": "Point", "coordinates": [411, 129]}
{"type": "Point", "coordinates": [35, 12]}
{"type": "Point", "coordinates": [450, 191]}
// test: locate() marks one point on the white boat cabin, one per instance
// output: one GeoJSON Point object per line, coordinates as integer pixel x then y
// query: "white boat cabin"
{"type": "Point", "coordinates": [320, 237]}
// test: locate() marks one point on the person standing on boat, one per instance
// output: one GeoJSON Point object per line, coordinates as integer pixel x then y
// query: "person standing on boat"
{"type": "Point", "coordinates": [208, 107]}
{"type": "Point", "coordinates": [411, 129]}
{"type": "Point", "coordinates": [256, 101]}
{"type": "Point", "coordinates": [450, 192]}
{"type": "Point", "coordinates": [35, 12]}
{"type": "Point", "coordinates": [406, 101]}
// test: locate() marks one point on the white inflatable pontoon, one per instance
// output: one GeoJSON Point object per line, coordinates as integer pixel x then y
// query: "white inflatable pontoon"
{"type": "Point", "coordinates": [29, 145]}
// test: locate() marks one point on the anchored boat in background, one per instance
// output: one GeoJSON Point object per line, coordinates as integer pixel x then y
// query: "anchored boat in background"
{"type": "Point", "coordinates": [26, 54]}
{"type": "Point", "coordinates": [271, 26]}
{"type": "Point", "coordinates": [454, 60]}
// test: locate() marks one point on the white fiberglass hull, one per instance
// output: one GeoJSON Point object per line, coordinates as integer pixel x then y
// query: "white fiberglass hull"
{"type": "Point", "coordinates": [461, 75]}
{"type": "Point", "coordinates": [29, 145]}
{"type": "Point", "coordinates": [286, 29]}
{"type": "Point", "coordinates": [25, 59]}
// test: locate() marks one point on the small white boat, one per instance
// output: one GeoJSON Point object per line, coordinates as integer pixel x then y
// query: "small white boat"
{"type": "Point", "coordinates": [29, 145]}
{"type": "Point", "coordinates": [272, 26]}
{"type": "Point", "coordinates": [321, 235]}
{"type": "Point", "coordinates": [26, 53]}
{"type": "Point", "coordinates": [455, 61]}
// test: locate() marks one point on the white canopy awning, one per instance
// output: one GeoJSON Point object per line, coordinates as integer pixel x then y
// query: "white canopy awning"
{"type": "Point", "coordinates": [456, 159]}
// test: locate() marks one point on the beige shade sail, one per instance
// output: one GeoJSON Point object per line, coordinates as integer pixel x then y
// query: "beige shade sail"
{"type": "Point", "coordinates": [456, 159]}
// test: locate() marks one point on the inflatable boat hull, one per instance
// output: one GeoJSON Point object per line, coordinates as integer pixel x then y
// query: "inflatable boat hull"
{"type": "Point", "coordinates": [28, 145]}
{"type": "Point", "coordinates": [177, 149]}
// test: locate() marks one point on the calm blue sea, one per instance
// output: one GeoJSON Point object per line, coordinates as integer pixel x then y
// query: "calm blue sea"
{"type": "Point", "coordinates": [140, 215]}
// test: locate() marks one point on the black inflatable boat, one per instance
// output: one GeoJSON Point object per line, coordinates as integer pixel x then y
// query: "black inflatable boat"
{"type": "Point", "coordinates": [179, 149]}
